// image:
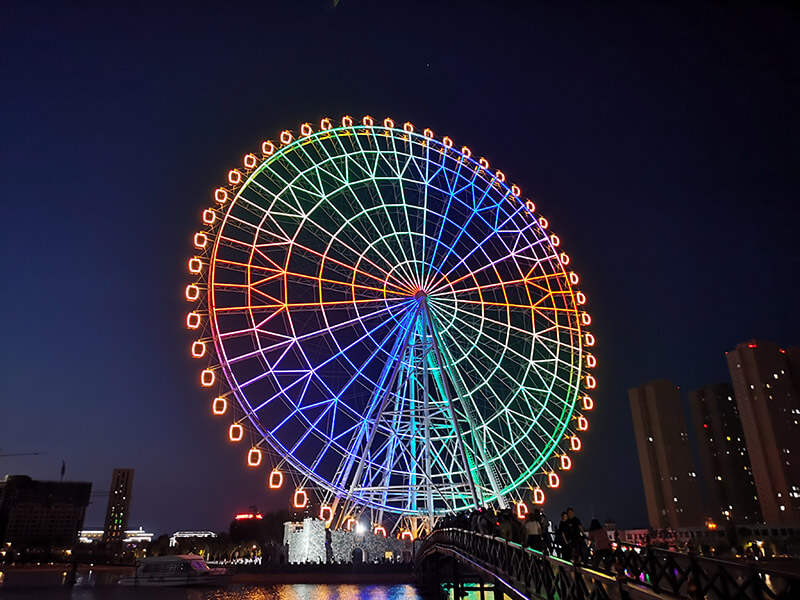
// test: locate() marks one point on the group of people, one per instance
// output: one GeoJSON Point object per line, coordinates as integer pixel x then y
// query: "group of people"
{"type": "Point", "coordinates": [568, 540]}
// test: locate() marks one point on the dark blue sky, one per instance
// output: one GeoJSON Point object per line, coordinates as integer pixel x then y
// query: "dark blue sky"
{"type": "Point", "coordinates": [662, 142]}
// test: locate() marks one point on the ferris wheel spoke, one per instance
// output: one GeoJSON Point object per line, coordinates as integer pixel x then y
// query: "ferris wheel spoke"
{"type": "Point", "coordinates": [488, 263]}
{"type": "Point", "coordinates": [451, 195]}
{"type": "Point", "coordinates": [370, 177]}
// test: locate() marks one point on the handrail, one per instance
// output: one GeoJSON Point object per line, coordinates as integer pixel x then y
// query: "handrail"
{"type": "Point", "coordinates": [627, 571]}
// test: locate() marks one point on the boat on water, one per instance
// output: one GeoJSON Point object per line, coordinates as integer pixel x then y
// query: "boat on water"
{"type": "Point", "coordinates": [174, 571]}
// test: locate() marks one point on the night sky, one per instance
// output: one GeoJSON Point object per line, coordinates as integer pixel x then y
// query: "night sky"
{"type": "Point", "coordinates": [662, 142]}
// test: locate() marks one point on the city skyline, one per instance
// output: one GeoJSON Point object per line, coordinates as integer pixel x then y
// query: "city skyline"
{"type": "Point", "coordinates": [660, 143]}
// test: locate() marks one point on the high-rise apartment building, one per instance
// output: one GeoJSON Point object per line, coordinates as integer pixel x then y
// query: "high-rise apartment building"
{"type": "Point", "coordinates": [669, 477]}
{"type": "Point", "coordinates": [119, 505]}
{"type": "Point", "coordinates": [723, 454]}
{"type": "Point", "coordinates": [768, 400]}
{"type": "Point", "coordinates": [42, 515]}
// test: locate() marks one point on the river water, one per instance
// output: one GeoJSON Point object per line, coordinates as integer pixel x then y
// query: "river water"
{"type": "Point", "coordinates": [299, 591]}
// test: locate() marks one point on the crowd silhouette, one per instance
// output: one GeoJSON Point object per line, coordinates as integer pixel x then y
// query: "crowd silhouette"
{"type": "Point", "coordinates": [566, 539]}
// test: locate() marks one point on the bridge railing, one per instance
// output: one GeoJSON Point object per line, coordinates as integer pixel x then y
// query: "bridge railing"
{"type": "Point", "coordinates": [627, 572]}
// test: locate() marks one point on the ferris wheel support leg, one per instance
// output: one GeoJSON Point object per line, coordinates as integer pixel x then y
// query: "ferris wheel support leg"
{"type": "Point", "coordinates": [481, 449]}
{"type": "Point", "coordinates": [459, 440]}
{"type": "Point", "coordinates": [384, 400]}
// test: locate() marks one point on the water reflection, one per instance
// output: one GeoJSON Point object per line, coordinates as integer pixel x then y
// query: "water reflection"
{"type": "Point", "coordinates": [234, 592]}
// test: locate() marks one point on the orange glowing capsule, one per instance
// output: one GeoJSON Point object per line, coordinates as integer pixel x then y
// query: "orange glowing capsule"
{"type": "Point", "coordinates": [388, 123]}
{"type": "Point", "coordinates": [275, 479]}
{"type": "Point", "coordinates": [192, 292]}
{"type": "Point", "coordinates": [254, 457]}
{"type": "Point", "coordinates": [573, 278]}
{"type": "Point", "coordinates": [583, 424]}
{"type": "Point", "coordinates": [249, 161]}
{"type": "Point", "coordinates": [349, 524]}
{"type": "Point", "coordinates": [591, 361]}
{"type": "Point", "coordinates": [575, 443]}
{"type": "Point", "coordinates": [544, 223]}
{"type": "Point", "coordinates": [379, 530]}
{"type": "Point", "coordinates": [447, 142]}
{"type": "Point", "coordinates": [555, 240]}
{"type": "Point", "coordinates": [195, 265]}
{"type": "Point", "coordinates": [326, 514]}
{"type": "Point", "coordinates": [588, 403]}
{"type": "Point", "coordinates": [586, 319]}
{"type": "Point", "coordinates": [267, 148]}
{"type": "Point", "coordinates": [325, 124]}
{"type": "Point", "coordinates": [193, 320]}
{"type": "Point", "coordinates": [367, 121]}
{"type": "Point", "coordinates": [591, 382]}
{"type": "Point", "coordinates": [517, 191]}
{"type": "Point", "coordinates": [566, 462]}
{"type": "Point", "coordinates": [347, 121]}
{"type": "Point", "coordinates": [564, 258]}
{"type": "Point", "coordinates": [407, 536]}
{"type": "Point", "coordinates": [219, 406]}
{"type": "Point", "coordinates": [580, 298]}
{"type": "Point", "coordinates": [286, 137]}
{"type": "Point", "coordinates": [500, 176]}
{"type": "Point", "coordinates": [300, 499]}
{"type": "Point", "coordinates": [235, 432]}
{"type": "Point", "coordinates": [305, 129]}
{"type": "Point", "coordinates": [484, 163]}
{"type": "Point", "coordinates": [428, 133]}
{"type": "Point", "coordinates": [198, 349]}
{"type": "Point", "coordinates": [530, 206]}
{"type": "Point", "coordinates": [209, 216]}
{"type": "Point", "coordinates": [552, 480]}
{"type": "Point", "coordinates": [221, 195]}
{"type": "Point", "coordinates": [590, 341]}
{"type": "Point", "coordinates": [522, 510]}
{"type": "Point", "coordinates": [409, 127]}
{"type": "Point", "coordinates": [200, 240]}
{"type": "Point", "coordinates": [234, 176]}
{"type": "Point", "coordinates": [538, 496]}
{"type": "Point", "coordinates": [466, 151]}
{"type": "Point", "coordinates": [207, 378]}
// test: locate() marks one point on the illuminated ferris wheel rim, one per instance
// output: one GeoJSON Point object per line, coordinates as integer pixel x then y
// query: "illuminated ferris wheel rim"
{"type": "Point", "coordinates": [415, 285]}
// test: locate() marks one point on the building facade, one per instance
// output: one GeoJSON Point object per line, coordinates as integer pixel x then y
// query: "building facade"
{"type": "Point", "coordinates": [119, 505]}
{"type": "Point", "coordinates": [723, 454]}
{"type": "Point", "coordinates": [42, 515]}
{"type": "Point", "coordinates": [670, 480]}
{"type": "Point", "coordinates": [768, 400]}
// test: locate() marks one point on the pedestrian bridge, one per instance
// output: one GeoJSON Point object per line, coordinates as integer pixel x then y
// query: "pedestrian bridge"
{"type": "Point", "coordinates": [467, 561]}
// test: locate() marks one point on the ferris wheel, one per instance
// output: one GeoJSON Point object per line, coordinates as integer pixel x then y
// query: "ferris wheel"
{"type": "Point", "coordinates": [387, 318]}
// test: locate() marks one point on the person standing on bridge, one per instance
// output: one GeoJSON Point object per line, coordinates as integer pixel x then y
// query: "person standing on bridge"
{"type": "Point", "coordinates": [533, 531]}
{"type": "Point", "coordinates": [573, 533]}
{"type": "Point", "coordinates": [562, 544]}
{"type": "Point", "coordinates": [601, 546]}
